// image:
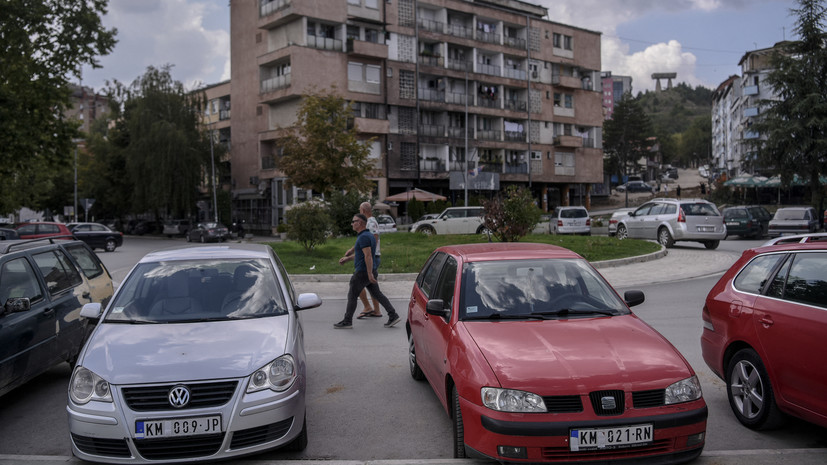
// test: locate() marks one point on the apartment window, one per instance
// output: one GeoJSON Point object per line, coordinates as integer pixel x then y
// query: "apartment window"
{"type": "Point", "coordinates": [355, 2]}
{"type": "Point", "coordinates": [372, 4]}
{"type": "Point", "coordinates": [568, 42]}
{"type": "Point", "coordinates": [536, 155]}
{"type": "Point", "coordinates": [372, 35]}
{"type": "Point", "coordinates": [569, 100]}
{"type": "Point", "coordinates": [353, 32]}
{"type": "Point", "coordinates": [557, 40]}
{"type": "Point", "coordinates": [558, 98]}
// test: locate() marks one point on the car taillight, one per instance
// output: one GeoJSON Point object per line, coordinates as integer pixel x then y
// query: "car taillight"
{"type": "Point", "coordinates": [612, 221]}
{"type": "Point", "coordinates": [749, 224]}
{"type": "Point", "coordinates": [589, 222]}
{"type": "Point", "coordinates": [559, 222]}
{"type": "Point", "coordinates": [681, 216]}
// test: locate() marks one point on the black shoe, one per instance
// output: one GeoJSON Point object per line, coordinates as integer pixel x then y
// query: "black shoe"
{"type": "Point", "coordinates": [392, 320]}
{"type": "Point", "coordinates": [343, 325]}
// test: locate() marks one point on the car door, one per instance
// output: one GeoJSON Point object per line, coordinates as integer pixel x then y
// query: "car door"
{"type": "Point", "coordinates": [419, 320]}
{"type": "Point", "coordinates": [450, 222]}
{"type": "Point", "coordinates": [634, 223]}
{"type": "Point", "coordinates": [84, 233]}
{"type": "Point", "coordinates": [96, 274]}
{"type": "Point", "coordinates": [791, 321]}
{"type": "Point", "coordinates": [437, 330]}
{"type": "Point", "coordinates": [25, 337]}
{"type": "Point", "coordinates": [652, 220]}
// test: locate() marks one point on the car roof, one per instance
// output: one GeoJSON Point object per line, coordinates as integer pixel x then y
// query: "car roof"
{"type": "Point", "coordinates": [795, 239]}
{"type": "Point", "coordinates": [791, 246]}
{"type": "Point", "coordinates": [15, 245]}
{"type": "Point", "coordinates": [242, 251]}
{"type": "Point", "coordinates": [507, 251]}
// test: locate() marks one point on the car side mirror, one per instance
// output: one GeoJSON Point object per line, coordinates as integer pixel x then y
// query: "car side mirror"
{"type": "Point", "coordinates": [22, 304]}
{"type": "Point", "coordinates": [307, 300]}
{"type": "Point", "coordinates": [91, 310]}
{"type": "Point", "coordinates": [633, 298]}
{"type": "Point", "coordinates": [436, 307]}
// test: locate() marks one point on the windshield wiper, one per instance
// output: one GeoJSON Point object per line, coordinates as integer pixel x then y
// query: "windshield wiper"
{"type": "Point", "coordinates": [501, 316]}
{"type": "Point", "coordinates": [569, 311]}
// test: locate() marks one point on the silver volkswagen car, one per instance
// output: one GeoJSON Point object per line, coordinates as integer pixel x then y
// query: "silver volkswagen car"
{"type": "Point", "coordinates": [198, 356]}
{"type": "Point", "coordinates": [670, 220]}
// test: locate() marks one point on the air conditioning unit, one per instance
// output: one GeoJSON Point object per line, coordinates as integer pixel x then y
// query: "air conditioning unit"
{"type": "Point", "coordinates": [535, 74]}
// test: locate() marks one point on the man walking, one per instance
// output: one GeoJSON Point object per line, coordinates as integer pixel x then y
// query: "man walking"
{"type": "Point", "coordinates": [363, 276]}
{"type": "Point", "coordinates": [372, 226]}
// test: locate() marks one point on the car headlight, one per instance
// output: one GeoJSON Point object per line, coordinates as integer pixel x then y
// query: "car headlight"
{"type": "Point", "coordinates": [86, 386]}
{"type": "Point", "coordinates": [277, 375]}
{"type": "Point", "coordinates": [684, 390]}
{"type": "Point", "coordinates": [509, 400]}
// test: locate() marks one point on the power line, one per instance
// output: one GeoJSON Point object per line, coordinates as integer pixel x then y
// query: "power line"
{"type": "Point", "coordinates": [700, 49]}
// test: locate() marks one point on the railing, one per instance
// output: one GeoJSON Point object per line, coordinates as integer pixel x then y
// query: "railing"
{"type": "Point", "coordinates": [487, 102]}
{"type": "Point", "coordinates": [460, 30]}
{"type": "Point", "coordinates": [520, 168]}
{"type": "Point", "coordinates": [429, 60]}
{"type": "Point", "coordinates": [458, 166]}
{"type": "Point", "coordinates": [432, 130]}
{"type": "Point", "coordinates": [515, 42]}
{"type": "Point", "coordinates": [515, 74]}
{"type": "Point", "coordinates": [490, 37]}
{"type": "Point", "coordinates": [460, 65]}
{"type": "Point", "coordinates": [493, 70]}
{"type": "Point", "coordinates": [455, 98]}
{"type": "Point", "coordinates": [324, 43]}
{"type": "Point", "coordinates": [278, 82]}
{"type": "Point", "coordinates": [273, 6]}
{"type": "Point", "coordinates": [431, 25]}
{"type": "Point", "coordinates": [223, 115]}
{"type": "Point", "coordinates": [491, 167]}
{"type": "Point", "coordinates": [488, 134]}
{"type": "Point", "coordinates": [457, 132]}
{"type": "Point", "coordinates": [432, 95]}
{"type": "Point", "coordinates": [514, 136]}
{"type": "Point", "coordinates": [432, 165]}
{"type": "Point", "coordinates": [515, 105]}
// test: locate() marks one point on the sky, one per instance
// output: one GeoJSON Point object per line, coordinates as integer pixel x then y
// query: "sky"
{"type": "Point", "coordinates": [700, 40]}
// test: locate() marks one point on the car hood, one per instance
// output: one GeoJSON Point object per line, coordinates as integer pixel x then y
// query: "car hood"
{"type": "Point", "coordinates": [156, 353]}
{"type": "Point", "coordinates": [578, 355]}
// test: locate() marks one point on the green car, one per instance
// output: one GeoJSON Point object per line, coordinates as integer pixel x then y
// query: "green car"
{"type": "Point", "coordinates": [747, 221]}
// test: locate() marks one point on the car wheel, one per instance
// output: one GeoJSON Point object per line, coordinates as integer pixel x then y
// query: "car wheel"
{"type": "Point", "coordinates": [459, 428]}
{"type": "Point", "coordinates": [621, 232]}
{"type": "Point", "coordinates": [203, 239]}
{"type": "Point", "coordinates": [416, 372]}
{"type": "Point", "coordinates": [711, 245]}
{"type": "Point", "coordinates": [110, 245]}
{"type": "Point", "coordinates": [750, 393]}
{"type": "Point", "coordinates": [426, 230]}
{"type": "Point", "coordinates": [300, 443]}
{"type": "Point", "coordinates": [483, 230]}
{"type": "Point", "coordinates": [665, 238]}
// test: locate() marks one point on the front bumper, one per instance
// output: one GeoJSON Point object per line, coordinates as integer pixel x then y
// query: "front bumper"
{"type": "Point", "coordinates": [250, 423]}
{"type": "Point", "coordinates": [678, 435]}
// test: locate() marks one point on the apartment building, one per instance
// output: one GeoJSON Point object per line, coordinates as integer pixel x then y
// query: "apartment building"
{"type": "Point", "coordinates": [86, 106]}
{"type": "Point", "coordinates": [453, 94]}
{"type": "Point", "coordinates": [614, 86]}
{"type": "Point", "coordinates": [736, 105]}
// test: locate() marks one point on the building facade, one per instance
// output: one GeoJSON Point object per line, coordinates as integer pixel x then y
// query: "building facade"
{"type": "Point", "coordinates": [453, 94]}
{"type": "Point", "coordinates": [614, 87]}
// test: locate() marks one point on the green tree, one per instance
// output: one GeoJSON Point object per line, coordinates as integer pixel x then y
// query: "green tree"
{"type": "Point", "coordinates": [323, 151]}
{"type": "Point", "coordinates": [308, 224]}
{"type": "Point", "coordinates": [166, 150]}
{"type": "Point", "coordinates": [511, 214]}
{"type": "Point", "coordinates": [625, 136]}
{"type": "Point", "coordinates": [795, 124]}
{"type": "Point", "coordinates": [696, 142]}
{"type": "Point", "coordinates": [45, 42]}
{"type": "Point", "coordinates": [341, 208]}
{"type": "Point", "coordinates": [415, 209]}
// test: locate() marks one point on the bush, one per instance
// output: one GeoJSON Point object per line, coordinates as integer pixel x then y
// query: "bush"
{"type": "Point", "coordinates": [415, 209]}
{"type": "Point", "coordinates": [512, 215]}
{"type": "Point", "coordinates": [308, 224]}
{"type": "Point", "coordinates": [341, 208]}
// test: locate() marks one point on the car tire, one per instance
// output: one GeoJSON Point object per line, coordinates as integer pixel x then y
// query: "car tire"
{"type": "Point", "coordinates": [416, 372]}
{"type": "Point", "coordinates": [665, 237]}
{"type": "Point", "coordinates": [203, 239]}
{"type": "Point", "coordinates": [750, 392]}
{"type": "Point", "coordinates": [300, 443]}
{"type": "Point", "coordinates": [483, 230]}
{"type": "Point", "coordinates": [621, 232]}
{"type": "Point", "coordinates": [110, 245]}
{"type": "Point", "coordinates": [426, 230]}
{"type": "Point", "coordinates": [711, 245]}
{"type": "Point", "coordinates": [459, 427]}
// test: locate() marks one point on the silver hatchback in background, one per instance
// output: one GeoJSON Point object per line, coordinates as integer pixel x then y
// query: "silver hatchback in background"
{"type": "Point", "coordinates": [198, 356]}
{"type": "Point", "coordinates": [670, 220]}
{"type": "Point", "coordinates": [571, 220]}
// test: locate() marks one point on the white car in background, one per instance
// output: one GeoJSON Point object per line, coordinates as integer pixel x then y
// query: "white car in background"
{"type": "Point", "coordinates": [571, 220]}
{"type": "Point", "coordinates": [386, 224]}
{"type": "Point", "coordinates": [454, 220]}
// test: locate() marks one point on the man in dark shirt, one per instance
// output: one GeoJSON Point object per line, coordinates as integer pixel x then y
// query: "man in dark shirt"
{"type": "Point", "coordinates": [362, 255]}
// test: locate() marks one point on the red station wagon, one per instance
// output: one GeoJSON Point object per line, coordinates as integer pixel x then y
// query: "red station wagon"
{"type": "Point", "coordinates": [764, 327]}
{"type": "Point", "coordinates": [537, 359]}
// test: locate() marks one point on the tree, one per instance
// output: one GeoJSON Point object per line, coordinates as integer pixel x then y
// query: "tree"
{"type": "Point", "coordinates": [511, 214]}
{"type": "Point", "coordinates": [323, 152]}
{"type": "Point", "coordinates": [625, 136]}
{"type": "Point", "coordinates": [696, 142]}
{"type": "Point", "coordinates": [341, 208]}
{"type": "Point", "coordinates": [165, 149]}
{"type": "Point", "coordinates": [44, 43]}
{"type": "Point", "coordinates": [308, 224]}
{"type": "Point", "coordinates": [795, 124]}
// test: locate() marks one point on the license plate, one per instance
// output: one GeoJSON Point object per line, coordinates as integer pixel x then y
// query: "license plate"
{"type": "Point", "coordinates": [609, 438]}
{"type": "Point", "coordinates": [732, 223]}
{"type": "Point", "coordinates": [706, 228]}
{"type": "Point", "coordinates": [146, 429]}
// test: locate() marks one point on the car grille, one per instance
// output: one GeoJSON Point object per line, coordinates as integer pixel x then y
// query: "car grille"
{"type": "Point", "coordinates": [148, 398]}
{"type": "Point", "coordinates": [597, 402]}
{"type": "Point", "coordinates": [564, 454]}
{"type": "Point", "coordinates": [101, 446]}
{"type": "Point", "coordinates": [260, 435]}
{"type": "Point", "coordinates": [647, 399]}
{"type": "Point", "coordinates": [563, 404]}
{"type": "Point", "coordinates": [179, 448]}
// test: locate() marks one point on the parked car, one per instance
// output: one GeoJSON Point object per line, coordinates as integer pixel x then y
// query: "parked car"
{"type": "Point", "coordinates": [427, 216]}
{"type": "Point", "coordinates": [208, 232]}
{"type": "Point", "coordinates": [200, 355]}
{"type": "Point", "coordinates": [98, 236]}
{"type": "Point", "coordinates": [635, 186]}
{"type": "Point", "coordinates": [454, 220]}
{"type": "Point", "coordinates": [616, 215]}
{"type": "Point", "coordinates": [747, 221]}
{"type": "Point", "coordinates": [793, 220]}
{"type": "Point", "coordinates": [141, 227]}
{"type": "Point", "coordinates": [536, 358]}
{"type": "Point", "coordinates": [8, 234]}
{"type": "Point", "coordinates": [763, 334]}
{"type": "Point", "coordinates": [43, 285]}
{"type": "Point", "coordinates": [37, 230]}
{"type": "Point", "coordinates": [177, 227]}
{"type": "Point", "coordinates": [386, 224]}
{"type": "Point", "coordinates": [671, 220]}
{"type": "Point", "coordinates": [571, 220]}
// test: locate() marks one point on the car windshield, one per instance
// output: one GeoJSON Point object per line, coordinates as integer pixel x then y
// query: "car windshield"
{"type": "Point", "coordinates": [535, 288]}
{"type": "Point", "coordinates": [574, 213]}
{"type": "Point", "coordinates": [384, 220]}
{"type": "Point", "coordinates": [197, 290]}
{"type": "Point", "coordinates": [791, 215]}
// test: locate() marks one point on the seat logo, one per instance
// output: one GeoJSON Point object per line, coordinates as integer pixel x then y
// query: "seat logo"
{"type": "Point", "coordinates": [608, 403]}
{"type": "Point", "coordinates": [179, 396]}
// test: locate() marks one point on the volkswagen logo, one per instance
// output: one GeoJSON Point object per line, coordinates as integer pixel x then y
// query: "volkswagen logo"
{"type": "Point", "coordinates": [179, 396]}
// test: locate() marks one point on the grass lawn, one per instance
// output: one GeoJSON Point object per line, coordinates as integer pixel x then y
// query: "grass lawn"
{"type": "Point", "coordinates": [403, 252]}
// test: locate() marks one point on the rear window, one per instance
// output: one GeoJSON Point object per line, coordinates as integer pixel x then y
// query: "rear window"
{"type": "Point", "coordinates": [699, 209]}
{"type": "Point", "coordinates": [735, 213]}
{"type": "Point", "coordinates": [574, 213]}
{"type": "Point", "coordinates": [791, 215]}
{"type": "Point", "coordinates": [753, 277]}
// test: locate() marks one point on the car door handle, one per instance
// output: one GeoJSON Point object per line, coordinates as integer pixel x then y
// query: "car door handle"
{"type": "Point", "coordinates": [86, 295]}
{"type": "Point", "coordinates": [766, 321]}
{"type": "Point", "coordinates": [49, 311]}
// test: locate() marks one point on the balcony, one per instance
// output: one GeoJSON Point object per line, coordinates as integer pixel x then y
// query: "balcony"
{"type": "Point", "coordinates": [515, 42]}
{"type": "Point", "coordinates": [460, 30]}
{"type": "Point", "coordinates": [431, 60]}
{"type": "Point", "coordinates": [491, 166]}
{"type": "Point", "coordinates": [516, 168]}
{"type": "Point", "coordinates": [568, 141]}
{"type": "Point", "coordinates": [569, 82]}
{"type": "Point", "coordinates": [492, 70]}
{"type": "Point", "coordinates": [431, 26]}
{"type": "Point", "coordinates": [273, 6]}
{"type": "Point", "coordinates": [432, 130]}
{"type": "Point", "coordinates": [431, 95]}
{"type": "Point", "coordinates": [367, 49]}
{"type": "Point", "coordinates": [515, 105]}
{"type": "Point", "coordinates": [275, 83]}
{"type": "Point", "coordinates": [223, 115]}
{"type": "Point", "coordinates": [490, 37]}
{"type": "Point", "coordinates": [514, 136]}
{"type": "Point", "coordinates": [751, 90]}
{"type": "Point", "coordinates": [460, 65]}
{"type": "Point", "coordinates": [324, 43]}
{"type": "Point", "coordinates": [432, 164]}
{"type": "Point", "coordinates": [455, 98]}
{"type": "Point", "coordinates": [487, 102]}
{"type": "Point", "coordinates": [515, 74]}
{"type": "Point", "coordinates": [457, 133]}
{"type": "Point", "coordinates": [488, 135]}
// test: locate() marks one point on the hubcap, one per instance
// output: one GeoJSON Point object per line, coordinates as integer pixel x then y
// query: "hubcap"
{"type": "Point", "coordinates": [747, 389]}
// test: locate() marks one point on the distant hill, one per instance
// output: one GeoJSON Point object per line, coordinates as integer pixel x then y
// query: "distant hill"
{"type": "Point", "coordinates": [673, 110]}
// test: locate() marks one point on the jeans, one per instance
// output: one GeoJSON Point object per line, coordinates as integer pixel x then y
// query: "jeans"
{"type": "Point", "coordinates": [359, 281]}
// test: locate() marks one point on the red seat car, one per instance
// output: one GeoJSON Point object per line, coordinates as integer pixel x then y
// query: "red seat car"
{"type": "Point", "coordinates": [42, 229]}
{"type": "Point", "coordinates": [537, 359]}
{"type": "Point", "coordinates": [764, 327]}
